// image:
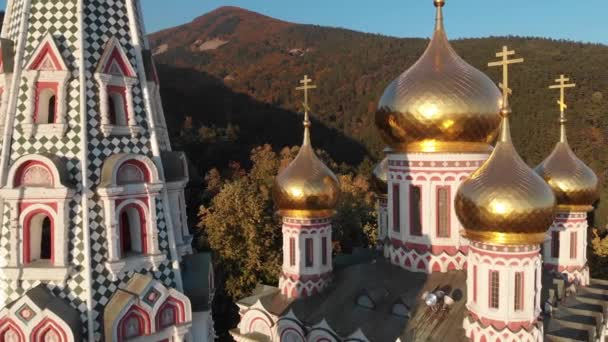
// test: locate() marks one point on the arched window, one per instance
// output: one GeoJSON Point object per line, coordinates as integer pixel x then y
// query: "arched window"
{"type": "Point", "coordinates": [135, 323]}
{"type": "Point", "coordinates": [116, 105]}
{"type": "Point", "coordinates": [46, 107]}
{"type": "Point", "coordinates": [132, 231]}
{"type": "Point", "coordinates": [10, 333]}
{"type": "Point", "coordinates": [132, 172]}
{"type": "Point", "coordinates": [34, 174]}
{"type": "Point", "coordinates": [38, 237]}
{"type": "Point", "coordinates": [170, 313]}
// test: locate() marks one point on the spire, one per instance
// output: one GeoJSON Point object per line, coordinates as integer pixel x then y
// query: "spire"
{"type": "Point", "coordinates": [505, 111]}
{"type": "Point", "coordinates": [439, 16]}
{"type": "Point", "coordinates": [305, 87]}
{"type": "Point", "coordinates": [562, 85]}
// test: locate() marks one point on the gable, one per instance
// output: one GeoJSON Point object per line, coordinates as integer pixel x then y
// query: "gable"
{"type": "Point", "coordinates": [47, 57]}
{"type": "Point", "coordinates": [114, 61]}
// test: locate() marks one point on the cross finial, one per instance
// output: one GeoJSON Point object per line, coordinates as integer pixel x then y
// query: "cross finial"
{"type": "Point", "coordinates": [504, 62]}
{"type": "Point", "coordinates": [306, 86]}
{"type": "Point", "coordinates": [562, 85]}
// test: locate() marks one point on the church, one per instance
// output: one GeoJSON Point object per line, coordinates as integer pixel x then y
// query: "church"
{"type": "Point", "coordinates": [473, 244]}
{"type": "Point", "coordinates": [94, 240]}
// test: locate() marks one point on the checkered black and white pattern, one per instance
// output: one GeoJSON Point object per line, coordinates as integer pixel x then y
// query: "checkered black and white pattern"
{"type": "Point", "coordinates": [103, 19]}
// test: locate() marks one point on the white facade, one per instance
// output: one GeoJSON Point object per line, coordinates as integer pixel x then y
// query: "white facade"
{"type": "Point", "coordinates": [441, 242]}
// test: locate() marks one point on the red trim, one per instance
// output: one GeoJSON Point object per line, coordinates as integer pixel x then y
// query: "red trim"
{"type": "Point", "coordinates": [40, 87]}
{"type": "Point", "coordinates": [506, 255]}
{"type": "Point", "coordinates": [144, 200]}
{"type": "Point", "coordinates": [142, 318]}
{"type": "Point", "coordinates": [447, 209]}
{"type": "Point", "coordinates": [24, 205]}
{"type": "Point", "coordinates": [514, 326]}
{"type": "Point", "coordinates": [143, 225]}
{"type": "Point", "coordinates": [122, 64]}
{"type": "Point", "coordinates": [44, 327]}
{"type": "Point", "coordinates": [415, 231]}
{"type": "Point", "coordinates": [306, 277]}
{"type": "Point", "coordinates": [7, 324]}
{"type": "Point", "coordinates": [396, 208]}
{"type": "Point", "coordinates": [27, 235]}
{"type": "Point", "coordinates": [46, 50]}
{"type": "Point", "coordinates": [18, 180]}
{"type": "Point", "coordinates": [179, 313]}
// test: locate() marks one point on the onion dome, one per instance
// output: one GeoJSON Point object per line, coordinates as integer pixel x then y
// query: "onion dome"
{"type": "Point", "coordinates": [575, 185]}
{"type": "Point", "coordinates": [380, 178]}
{"type": "Point", "coordinates": [441, 104]}
{"type": "Point", "coordinates": [306, 187]}
{"type": "Point", "coordinates": [505, 201]}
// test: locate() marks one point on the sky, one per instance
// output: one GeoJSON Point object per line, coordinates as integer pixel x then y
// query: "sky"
{"type": "Point", "coordinates": [561, 19]}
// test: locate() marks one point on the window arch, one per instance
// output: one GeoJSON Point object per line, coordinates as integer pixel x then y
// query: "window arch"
{"type": "Point", "coordinates": [133, 233]}
{"type": "Point", "coordinates": [132, 172]}
{"type": "Point", "coordinates": [34, 174]}
{"type": "Point", "coordinates": [9, 332]}
{"type": "Point", "coordinates": [48, 331]}
{"type": "Point", "coordinates": [38, 237]}
{"type": "Point", "coordinates": [170, 313]}
{"type": "Point", "coordinates": [46, 106]}
{"type": "Point", "coordinates": [135, 323]}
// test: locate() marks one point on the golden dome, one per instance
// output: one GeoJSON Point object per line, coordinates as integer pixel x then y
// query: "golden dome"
{"type": "Point", "coordinates": [380, 177]}
{"type": "Point", "coordinates": [504, 201]}
{"type": "Point", "coordinates": [575, 185]}
{"type": "Point", "coordinates": [441, 104]}
{"type": "Point", "coordinates": [306, 187]}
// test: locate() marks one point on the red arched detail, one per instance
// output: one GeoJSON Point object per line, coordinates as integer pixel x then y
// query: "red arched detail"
{"type": "Point", "coordinates": [27, 234]}
{"type": "Point", "coordinates": [143, 234]}
{"type": "Point", "coordinates": [45, 327]}
{"type": "Point", "coordinates": [483, 339]}
{"type": "Point", "coordinates": [44, 52]}
{"type": "Point", "coordinates": [143, 322]}
{"type": "Point", "coordinates": [179, 313]}
{"type": "Point", "coordinates": [421, 265]}
{"type": "Point", "coordinates": [141, 166]}
{"type": "Point", "coordinates": [7, 325]}
{"type": "Point", "coordinates": [18, 180]}
{"type": "Point", "coordinates": [449, 179]}
{"type": "Point", "coordinates": [451, 266]}
{"type": "Point", "coordinates": [115, 56]}
{"type": "Point", "coordinates": [436, 267]}
{"type": "Point", "coordinates": [408, 262]}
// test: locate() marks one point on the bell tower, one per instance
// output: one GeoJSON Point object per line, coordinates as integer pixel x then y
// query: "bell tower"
{"type": "Point", "coordinates": [90, 191]}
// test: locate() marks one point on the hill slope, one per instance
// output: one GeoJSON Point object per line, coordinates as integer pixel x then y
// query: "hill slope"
{"type": "Point", "coordinates": [240, 67]}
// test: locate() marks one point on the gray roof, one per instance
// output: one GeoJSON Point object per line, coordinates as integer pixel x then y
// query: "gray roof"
{"type": "Point", "coordinates": [44, 299]}
{"type": "Point", "coordinates": [385, 285]}
{"type": "Point", "coordinates": [175, 166]}
{"type": "Point", "coordinates": [195, 275]}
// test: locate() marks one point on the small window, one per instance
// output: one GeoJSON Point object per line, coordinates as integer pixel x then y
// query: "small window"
{"type": "Point", "coordinates": [573, 247]}
{"type": "Point", "coordinates": [555, 244]}
{"type": "Point", "coordinates": [168, 316]}
{"type": "Point", "coordinates": [519, 291]}
{"type": "Point", "coordinates": [46, 110]}
{"type": "Point", "coordinates": [38, 239]}
{"type": "Point", "coordinates": [475, 283]}
{"type": "Point", "coordinates": [133, 327]}
{"type": "Point", "coordinates": [324, 250]}
{"type": "Point", "coordinates": [415, 215]}
{"type": "Point", "coordinates": [118, 113]}
{"type": "Point", "coordinates": [443, 212]}
{"type": "Point", "coordinates": [309, 252]}
{"type": "Point", "coordinates": [396, 207]}
{"type": "Point", "coordinates": [292, 252]}
{"type": "Point", "coordinates": [132, 231]}
{"type": "Point", "coordinates": [494, 290]}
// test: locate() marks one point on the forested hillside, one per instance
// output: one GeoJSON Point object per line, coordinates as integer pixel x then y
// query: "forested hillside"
{"type": "Point", "coordinates": [236, 69]}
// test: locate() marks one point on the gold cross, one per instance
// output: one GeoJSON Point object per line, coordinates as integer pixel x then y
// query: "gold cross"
{"type": "Point", "coordinates": [306, 86]}
{"type": "Point", "coordinates": [504, 85]}
{"type": "Point", "coordinates": [562, 90]}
